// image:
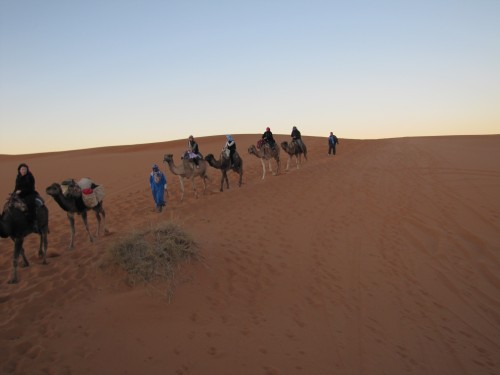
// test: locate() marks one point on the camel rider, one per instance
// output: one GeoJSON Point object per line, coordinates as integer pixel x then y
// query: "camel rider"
{"type": "Point", "coordinates": [230, 147]}
{"type": "Point", "coordinates": [25, 189]}
{"type": "Point", "coordinates": [193, 151]}
{"type": "Point", "coordinates": [268, 137]}
{"type": "Point", "coordinates": [297, 138]}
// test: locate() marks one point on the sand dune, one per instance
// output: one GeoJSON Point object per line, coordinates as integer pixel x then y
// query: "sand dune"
{"type": "Point", "coordinates": [384, 259]}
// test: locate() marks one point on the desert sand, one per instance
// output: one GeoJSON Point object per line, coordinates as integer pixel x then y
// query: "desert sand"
{"type": "Point", "coordinates": [383, 259]}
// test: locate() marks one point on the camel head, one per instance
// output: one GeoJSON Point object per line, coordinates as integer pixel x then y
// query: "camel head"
{"type": "Point", "coordinates": [168, 158]}
{"type": "Point", "coordinates": [252, 150]}
{"type": "Point", "coordinates": [284, 145]}
{"type": "Point", "coordinates": [210, 158]}
{"type": "Point", "coordinates": [54, 189]}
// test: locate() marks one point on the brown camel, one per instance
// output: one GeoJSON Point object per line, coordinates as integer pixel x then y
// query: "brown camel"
{"type": "Point", "coordinates": [224, 164]}
{"type": "Point", "coordinates": [73, 204]}
{"type": "Point", "coordinates": [293, 149]}
{"type": "Point", "coordinates": [266, 153]}
{"type": "Point", "coordinates": [14, 223]}
{"type": "Point", "coordinates": [188, 170]}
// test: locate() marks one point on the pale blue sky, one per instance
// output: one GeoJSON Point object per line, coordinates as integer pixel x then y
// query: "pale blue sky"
{"type": "Point", "coordinates": [80, 74]}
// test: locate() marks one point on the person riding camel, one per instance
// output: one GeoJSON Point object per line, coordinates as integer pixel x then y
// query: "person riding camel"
{"type": "Point", "coordinates": [193, 151]}
{"type": "Point", "coordinates": [230, 146]}
{"type": "Point", "coordinates": [268, 138]}
{"type": "Point", "coordinates": [25, 190]}
{"type": "Point", "coordinates": [297, 138]}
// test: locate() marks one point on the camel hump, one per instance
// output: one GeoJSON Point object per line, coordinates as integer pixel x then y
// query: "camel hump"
{"type": "Point", "coordinates": [69, 187]}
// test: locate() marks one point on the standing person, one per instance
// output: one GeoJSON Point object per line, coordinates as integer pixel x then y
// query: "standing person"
{"type": "Point", "coordinates": [297, 138]}
{"type": "Point", "coordinates": [158, 183]}
{"type": "Point", "coordinates": [268, 137]}
{"type": "Point", "coordinates": [230, 147]}
{"type": "Point", "coordinates": [333, 141]}
{"type": "Point", "coordinates": [25, 189]}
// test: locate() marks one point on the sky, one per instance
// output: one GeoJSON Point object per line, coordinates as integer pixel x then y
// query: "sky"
{"type": "Point", "coordinates": [91, 73]}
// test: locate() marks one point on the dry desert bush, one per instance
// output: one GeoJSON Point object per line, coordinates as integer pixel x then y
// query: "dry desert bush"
{"type": "Point", "coordinates": [153, 254]}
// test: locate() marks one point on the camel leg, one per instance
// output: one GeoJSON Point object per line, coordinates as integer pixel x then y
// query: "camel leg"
{"type": "Point", "coordinates": [182, 187]}
{"type": "Point", "coordinates": [193, 185]}
{"type": "Point", "coordinates": [222, 182]}
{"type": "Point", "coordinates": [204, 184]}
{"type": "Point", "coordinates": [18, 250]}
{"type": "Point", "coordinates": [71, 218]}
{"type": "Point", "coordinates": [241, 177]}
{"type": "Point", "coordinates": [278, 167]}
{"type": "Point", "coordinates": [103, 216]}
{"type": "Point", "coordinates": [84, 218]}
{"type": "Point", "coordinates": [25, 260]}
{"type": "Point", "coordinates": [263, 168]}
{"type": "Point", "coordinates": [288, 163]}
{"type": "Point", "coordinates": [100, 215]}
{"type": "Point", "coordinates": [271, 168]}
{"type": "Point", "coordinates": [42, 251]}
{"type": "Point", "coordinates": [224, 177]}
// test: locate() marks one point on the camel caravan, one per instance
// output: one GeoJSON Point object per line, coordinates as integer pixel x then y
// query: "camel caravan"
{"type": "Point", "coordinates": [79, 197]}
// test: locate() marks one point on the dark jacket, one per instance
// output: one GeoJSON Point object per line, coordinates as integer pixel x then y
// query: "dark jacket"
{"type": "Point", "coordinates": [193, 146]}
{"type": "Point", "coordinates": [333, 140]}
{"type": "Point", "coordinates": [268, 137]}
{"type": "Point", "coordinates": [26, 183]}
{"type": "Point", "coordinates": [296, 134]}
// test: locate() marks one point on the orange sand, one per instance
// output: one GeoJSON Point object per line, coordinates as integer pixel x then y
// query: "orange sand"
{"type": "Point", "coordinates": [384, 259]}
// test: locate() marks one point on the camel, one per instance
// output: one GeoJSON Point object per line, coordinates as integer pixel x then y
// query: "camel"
{"type": "Point", "coordinates": [73, 204]}
{"type": "Point", "coordinates": [224, 164]}
{"type": "Point", "coordinates": [187, 170]}
{"type": "Point", "coordinates": [292, 149]}
{"type": "Point", "coordinates": [15, 224]}
{"type": "Point", "coordinates": [266, 153]}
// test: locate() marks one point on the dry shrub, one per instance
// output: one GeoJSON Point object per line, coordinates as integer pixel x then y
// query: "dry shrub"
{"type": "Point", "coordinates": [153, 254]}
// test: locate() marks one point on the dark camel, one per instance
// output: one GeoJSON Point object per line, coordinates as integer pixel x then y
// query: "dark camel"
{"type": "Point", "coordinates": [293, 149]}
{"type": "Point", "coordinates": [15, 224]}
{"type": "Point", "coordinates": [73, 204]}
{"type": "Point", "coordinates": [266, 152]}
{"type": "Point", "coordinates": [224, 164]}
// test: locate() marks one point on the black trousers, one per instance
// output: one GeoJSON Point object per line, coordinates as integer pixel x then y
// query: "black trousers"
{"type": "Point", "coordinates": [331, 149]}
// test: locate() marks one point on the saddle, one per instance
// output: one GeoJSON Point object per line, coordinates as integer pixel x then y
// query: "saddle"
{"type": "Point", "coordinates": [86, 189]}
{"type": "Point", "coordinates": [16, 202]}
